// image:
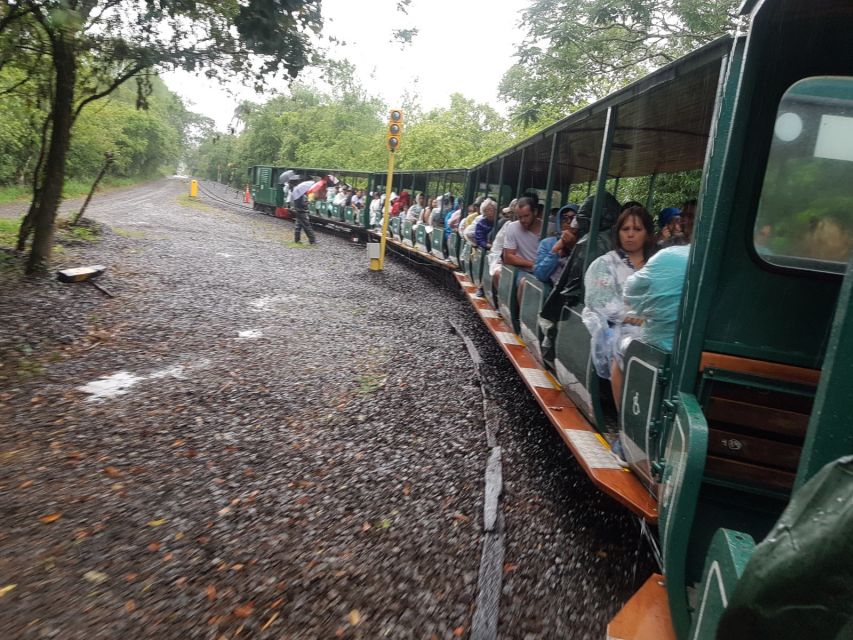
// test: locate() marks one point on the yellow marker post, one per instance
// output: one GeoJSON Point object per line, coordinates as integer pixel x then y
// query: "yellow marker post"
{"type": "Point", "coordinates": [392, 140]}
{"type": "Point", "coordinates": [193, 188]}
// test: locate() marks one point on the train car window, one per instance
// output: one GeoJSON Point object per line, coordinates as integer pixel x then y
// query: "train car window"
{"type": "Point", "coordinates": [805, 215]}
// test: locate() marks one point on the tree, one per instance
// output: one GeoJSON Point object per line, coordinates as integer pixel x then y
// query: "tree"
{"type": "Point", "coordinates": [462, 135]}
{"type": "Point", "coordinates": [95, 46]}
{"type": "Point", "coordinates": [576, 51]}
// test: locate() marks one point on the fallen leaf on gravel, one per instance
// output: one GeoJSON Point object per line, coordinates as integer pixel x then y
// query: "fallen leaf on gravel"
{"type": "Point", "coordinates": [179, 535]}
{"type": "Point", "coordinates": [178, 442]}
{"type": "Point", "coordinates": [80, 534]}
{"type": "Point", "coordinates": [269, 622]}
{"type": "Point", "coordinates": [366, 526]}
{"type": "Point", "coordinates": [25, 484]}
{"type": "Point", "coordinates": [154, 547]}
{"type": "Point", "coordinates": [130, 577]}
{"type": "Point", "coordinates": [95, 577]}
{"type": "Point", "coordinates": [459, 631]}
{"type": "Point", "coordinates": [384, 524]}
{"type": "Point", "coordinates": [168, 557]}
{"type": "Point", "coordinates": [277, 603]}
{"type": "Point", "coordinates": [156, 523]}
{"type": "Point", "coordinates": [237, 567]}
{"type": "Point", "coordinates": [461, 517]}
{"type": "Point", "coordinates": [354, 617]}
{"type": "Point", "coordinates": [244, 610]}
{"type": "Point", "coordinates": [339, 632]}
{"type": "Point", "coordinates": [6, 589]}
{"type": "Point", "coordinates": [210, 592]}
{"type": "Point", "coordinates": [225, 511]}
{"type": "Point", "coordinates": [130, 606]}
{"type": "Point", "coordinates": [508, 567]}
{"type": "Point", "coordinates": [112, 472]}
{"type": "Point", "coordinates": [51, 517]}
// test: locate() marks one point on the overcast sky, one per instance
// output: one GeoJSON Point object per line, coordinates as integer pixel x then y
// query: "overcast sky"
{"type": "Point", "coordinates": [462, 46]}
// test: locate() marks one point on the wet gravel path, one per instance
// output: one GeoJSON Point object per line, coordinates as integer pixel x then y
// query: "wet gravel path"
{"type": "Point", "coordinates": [284, 446]}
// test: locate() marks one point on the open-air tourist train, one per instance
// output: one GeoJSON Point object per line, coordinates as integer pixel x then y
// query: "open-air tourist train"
{"type": "Point", "coordinates": [721, 432]}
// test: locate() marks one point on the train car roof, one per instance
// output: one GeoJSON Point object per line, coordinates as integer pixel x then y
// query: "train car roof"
{"type": "Point", "coordinates": [663, 126]}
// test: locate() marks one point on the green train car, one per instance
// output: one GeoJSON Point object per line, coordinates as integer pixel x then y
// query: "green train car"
{"type": "Point", "coordinates": [723, 430]}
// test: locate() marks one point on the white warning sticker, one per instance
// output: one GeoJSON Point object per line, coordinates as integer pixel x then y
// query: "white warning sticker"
{"type": "Point", "coordinates": [506, 337]}
{"type": "Point", "coordinates": [588, 447]}
{"type": "Point", "coordinates": [537, 378]}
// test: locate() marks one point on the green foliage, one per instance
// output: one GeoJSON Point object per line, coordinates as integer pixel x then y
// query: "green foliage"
{"type": "Point", "coordinates": [577, 51]}
{"type": "Point", "coordinates": [461, 135]}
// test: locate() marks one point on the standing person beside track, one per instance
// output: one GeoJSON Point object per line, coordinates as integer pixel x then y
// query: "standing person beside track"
{"type": "Point", "coordinates": [299, 208]}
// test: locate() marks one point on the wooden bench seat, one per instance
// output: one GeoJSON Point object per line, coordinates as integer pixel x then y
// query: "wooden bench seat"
{"type": "Point", "coordinates": [758, 414]}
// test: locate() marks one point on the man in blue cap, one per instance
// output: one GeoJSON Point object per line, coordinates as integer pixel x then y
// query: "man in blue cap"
{"type": "Point", "coordinates": [553, 252]}
{"type": "Point", "coordinates": [671, 233]}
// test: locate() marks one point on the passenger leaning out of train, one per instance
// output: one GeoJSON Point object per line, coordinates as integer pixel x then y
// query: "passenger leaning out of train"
{"type": "Point", "coordinates": [554, 251]}
{"type": "Point", "coordinates": [606, 315]}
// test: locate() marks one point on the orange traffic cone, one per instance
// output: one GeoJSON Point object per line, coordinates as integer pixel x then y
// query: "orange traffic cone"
{"type": "Point", "coordinates": [247, 197]}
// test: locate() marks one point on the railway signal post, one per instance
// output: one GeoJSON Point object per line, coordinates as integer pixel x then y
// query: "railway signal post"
{"type": "Point", "coordinates": [393, 136]}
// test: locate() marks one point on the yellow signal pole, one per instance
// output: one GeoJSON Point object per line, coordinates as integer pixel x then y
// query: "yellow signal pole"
{"type": "Point", "coordinates": [386, 211]}
{"type": "Point", "coordinates": [392, 140]}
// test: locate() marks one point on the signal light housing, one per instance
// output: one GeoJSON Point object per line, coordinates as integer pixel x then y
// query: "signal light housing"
{"type": "Point", "coordinates": [394, 132]}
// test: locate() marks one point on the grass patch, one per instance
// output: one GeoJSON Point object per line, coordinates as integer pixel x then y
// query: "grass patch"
{"type": "Point", "coordinates": [192, 203]}
{"type": "Point", "coordinates": [71, 188]}
{"type": "Point", "coordinates": [370, 384]}
{"type": "Point", "coordinates": [129, 233]}
{"type": "Point", "coordinates": [9, 231]}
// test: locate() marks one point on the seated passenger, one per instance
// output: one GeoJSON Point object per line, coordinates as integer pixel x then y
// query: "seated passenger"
{"type": "Point", "coordinates": [670, 233]}
{"type": "Point", "coordinates": [605, 313]}
{"type": "Point", "coordinates": [483, 228]}
{"type": "Point", "coordinates": [376, 201]}
{"type": "Point", "coordinates": [522, 236]}
{"type": "Point", "coordinates": [553, 252]}
{"type": "Point", "coordinates": [427, 212]}
{"type": "Point", "coordinates": [496, 253]}
{"type": "Point", "coordinates": [438, 213]}
{"type": "Point", "coordinates": [653, 295]}
{"type": "Point", "coordinates": [400, 205]}
{"type": "Point", "coordinates": [416, 210]}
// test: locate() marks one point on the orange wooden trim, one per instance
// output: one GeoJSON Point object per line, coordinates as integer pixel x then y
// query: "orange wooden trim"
{"type": "Point", "coordinates": [645, 616]}
{"type": "Point", "coordinates": [761, 368]}
{"type": "Point", "coordinates": [620, 484]}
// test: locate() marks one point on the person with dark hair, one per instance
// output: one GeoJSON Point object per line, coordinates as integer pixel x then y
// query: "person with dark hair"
{"type": "Point", "coordinates": [569, 289]}
{"type": "Point", "coordinates": [522, 236]}
{"type": "Point", "coordinates": [554, 251]}
{"type": "Point", "coordinates": [605, 313]}
{"type": "Point", "coordinates": [669, 233]}
{"type": "Point", "coordinates": [299, 188]}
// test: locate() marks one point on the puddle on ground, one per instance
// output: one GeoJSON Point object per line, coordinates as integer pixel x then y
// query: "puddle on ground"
{"type": "Point", "coordinates": [268, 301]}
{"type": "Point", "coordinates": [120, 383]}
{"type": "Point", "coordinates": [249, 334]}
{"type": "Point", "coordinates": [111, 386]}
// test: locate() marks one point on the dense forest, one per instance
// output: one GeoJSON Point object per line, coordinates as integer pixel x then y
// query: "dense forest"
{"type": "Point", "coordinates": [144, 143]}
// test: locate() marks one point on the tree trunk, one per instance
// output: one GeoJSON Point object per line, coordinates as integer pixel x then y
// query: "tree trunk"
{"type": "Point", "coordinates": [107, 162]}
{"type": "Point", "coordinates": [44, 213]}
{"type": "Point", "coordinates": [27, 223]}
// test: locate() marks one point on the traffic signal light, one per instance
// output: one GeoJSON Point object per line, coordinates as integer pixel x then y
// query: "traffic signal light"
{"type": "Point", "coordinates": [394, 134]}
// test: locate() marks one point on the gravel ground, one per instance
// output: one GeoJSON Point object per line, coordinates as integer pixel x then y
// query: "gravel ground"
{"type": "Point", "coordinates": [278, 444]}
